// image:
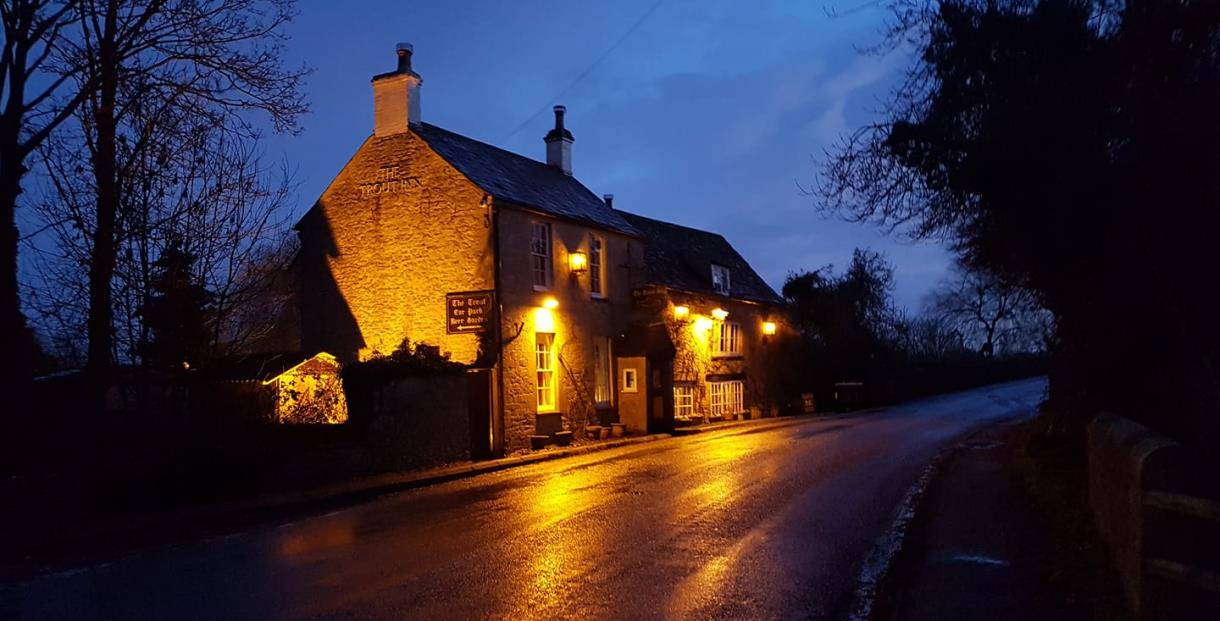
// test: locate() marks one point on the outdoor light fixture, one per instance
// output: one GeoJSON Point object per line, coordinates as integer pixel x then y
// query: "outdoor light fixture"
{"type": "Point", "coordinates": [703, 324]}
{"type": "Point", "coordinates": [720, 313]}
{"type": "Point", "coordinates": [680, 312]}
{"type": "Point", "coordinates": [768, 328]}
{"type": "Point", "coordinates": [578, 261]}
{"type": "Point", "coordinates": [544, 320]}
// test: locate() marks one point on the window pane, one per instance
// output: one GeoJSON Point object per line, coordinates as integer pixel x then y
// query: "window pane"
{"type": "Point", "coordinates": [544, 354]}
{"type": "Point", "coordinates": [684, 401]}
{"type": "Point", "coordinates": [540, 254]}
{"type": "Point", "coordinates": [595, 264]}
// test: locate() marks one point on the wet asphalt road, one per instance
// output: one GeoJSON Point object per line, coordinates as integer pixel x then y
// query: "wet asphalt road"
{"type": "Point", "coordinates": [756, 521]}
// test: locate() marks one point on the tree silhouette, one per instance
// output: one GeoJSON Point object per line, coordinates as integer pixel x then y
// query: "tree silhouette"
{"type": "Point", "coordinates": [178, 313]}
{"type": "Point", "coordinates": [1070, 148]}
{"type": "Point", "coordinates": [36, 99]}
{"type": "Point", "coordinates": [846, 319]}
{"type": "Point", "coordinates": [990, 314]}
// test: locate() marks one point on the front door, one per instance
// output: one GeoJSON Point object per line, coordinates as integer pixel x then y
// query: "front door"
{"type": "Point", "coordinates": [660, 388]}
{"type": "Point", "coordinates": [479, 401]}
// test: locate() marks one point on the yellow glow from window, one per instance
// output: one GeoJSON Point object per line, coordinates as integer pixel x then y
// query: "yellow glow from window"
{"type": "Point", "coordinates": [578, 261]}
{"type": "Point", "coordinates": [720, 313]}
{"type": "Point", "coordinates": [544, 320]}
{"type": "Point", "coordinates": [550, 304]}
{"type": "Point", "coordinates": [769, 328]}
{"type": "Point", "coordinates": [680, 312]}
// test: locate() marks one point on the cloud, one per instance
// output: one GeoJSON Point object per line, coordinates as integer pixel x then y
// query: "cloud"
{"type": "Point", "coordinates": [708, 114]}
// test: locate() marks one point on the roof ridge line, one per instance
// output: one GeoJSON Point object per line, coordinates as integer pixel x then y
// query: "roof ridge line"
{"type": "Point", "coordinates": [674, 224]}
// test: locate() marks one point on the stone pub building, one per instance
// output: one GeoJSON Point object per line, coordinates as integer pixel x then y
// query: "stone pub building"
{"type": "Point", "coordinates": [592, 314]}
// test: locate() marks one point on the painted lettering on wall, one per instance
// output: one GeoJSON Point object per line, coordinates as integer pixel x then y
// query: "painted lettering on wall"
{"type": "Point", "coordinates": [389, 180]}
{"type": "Point", "coordinates": [468, 311]}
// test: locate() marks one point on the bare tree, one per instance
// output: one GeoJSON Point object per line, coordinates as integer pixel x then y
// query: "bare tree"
{"type": "Point", "coordinates": [203, 193]}
{"type": "Point", "coordinates": [209, 62]}
{"type": "Point", "coordinates": [989, 314]}
{"type": "Point", "coordinates": [32, 92]}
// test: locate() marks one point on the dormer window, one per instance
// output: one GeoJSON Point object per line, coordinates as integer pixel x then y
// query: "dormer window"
{"type": "Point", "coordinates": [720, 279]}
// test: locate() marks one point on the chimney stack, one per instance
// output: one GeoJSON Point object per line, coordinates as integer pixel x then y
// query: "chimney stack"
{"type": "Point", "coordinates": [559, 144]}
{"type": "Point", "coordinates": [396, 96]}
{"type": "Point", "coordinates": [609, 198]}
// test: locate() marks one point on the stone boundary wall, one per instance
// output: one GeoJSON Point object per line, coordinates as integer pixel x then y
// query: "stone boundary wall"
{"type": "Point", "coordinates": [421, 420]}
{"type": "Point", "coordinates": [1144, 496]}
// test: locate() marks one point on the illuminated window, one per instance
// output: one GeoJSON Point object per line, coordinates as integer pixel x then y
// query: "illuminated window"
{"type": "Point", "coordinates": [720, 279]}
{"type": "Point", "coordinates": [726, 398]}
{"type": "Point", "coordinates": [540, 255]}
{"type": "Point", "coordinates": [726, 339]}
{"type": "Point", "coordinates": [544, 354]}
{"type": "Point", "coordinates": [597, 277]}
{"type": "Point", "coordinates": [630, 380]}
{"type": "Point", "coordinates": [684, 401]}
{"type": "Point", "coordinates": [601, 370]}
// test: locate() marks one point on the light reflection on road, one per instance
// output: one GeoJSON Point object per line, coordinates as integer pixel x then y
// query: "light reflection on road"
{"type": "Point", "coordinates": [750, 522]}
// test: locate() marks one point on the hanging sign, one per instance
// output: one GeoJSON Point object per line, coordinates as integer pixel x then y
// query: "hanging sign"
{"type": "Point", "coordinates": [468, 311]}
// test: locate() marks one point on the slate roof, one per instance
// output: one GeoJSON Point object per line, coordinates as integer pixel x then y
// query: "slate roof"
{"type": "Point", "coordinates": [523, 181]}
{"type": "Point", "coordinates": [681, 257]}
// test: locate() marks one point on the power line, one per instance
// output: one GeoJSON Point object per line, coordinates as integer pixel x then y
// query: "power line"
{"type": "Point", "coordinates": [587, 70]}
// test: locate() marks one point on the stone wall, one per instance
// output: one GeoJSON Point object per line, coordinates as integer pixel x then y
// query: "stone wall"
{"type": "Point", "coordinates": [578, 319]}
{"type": "Point", "coordinates": [1157, 508]}
{"type": "Point", "coordinates": [419, 421]}
{"type": "Point", "coordinates": [395, 231]}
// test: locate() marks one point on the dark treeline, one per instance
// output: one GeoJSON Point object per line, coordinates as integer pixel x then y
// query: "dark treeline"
{"type": "Point", "coordinates": [971, 331]}
{"type": "Point", "coordinates": [1067, 148]}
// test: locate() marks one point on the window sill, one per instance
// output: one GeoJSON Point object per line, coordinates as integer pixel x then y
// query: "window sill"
{"type": "Point", "coordinates": [541, 288]}
{"type": "Point", "coordinates": [728, 357]}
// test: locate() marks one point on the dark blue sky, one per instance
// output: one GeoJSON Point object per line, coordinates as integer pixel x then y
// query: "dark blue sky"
{"type": "Point", "coordinates": [708, 114]}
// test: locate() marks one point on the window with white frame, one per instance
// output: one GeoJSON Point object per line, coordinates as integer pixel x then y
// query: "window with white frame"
{"type": "Point", "coordinates": [544, 355]}
{"type": "Point", "coordinates": [630, 380]}
{"type": "Point", "coordinates": [720, 279]}
{"type": "Point", "coordinates": [597, 274]}
{"type": "Point", "coordinates": [726, 398]}
{"type": "Point", "coordinates": [540, 255]}
{"type": "Point", "coordinates": [726, 339]}
{"type": "Point", "coordinates": [601, 370]}
{"type": "Point", "coordinates": [684, 401]}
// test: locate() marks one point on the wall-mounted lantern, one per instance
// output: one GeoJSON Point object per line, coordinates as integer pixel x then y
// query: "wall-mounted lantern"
{"type": "Point", "coordinates": [769, 328]}
{"type": "Point", "coordinates": [550, 303]}
{"type": "Point", "coordinates": [719, 313]}
{"type": "Point", "coordinates": [578, 262]}
{"type": "Point", "coordinates": [680, 312]}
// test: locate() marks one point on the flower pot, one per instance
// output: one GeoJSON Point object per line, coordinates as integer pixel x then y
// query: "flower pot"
{"type": "Point", "coordinates": [617, 430]}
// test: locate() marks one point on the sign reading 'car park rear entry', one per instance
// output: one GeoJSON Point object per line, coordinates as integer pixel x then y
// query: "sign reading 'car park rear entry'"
{"type": "Point", "coordinates": [468, 311]}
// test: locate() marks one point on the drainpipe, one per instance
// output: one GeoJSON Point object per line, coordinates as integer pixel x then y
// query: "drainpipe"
{"type": "Point", "coordinates": [497, 424]}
